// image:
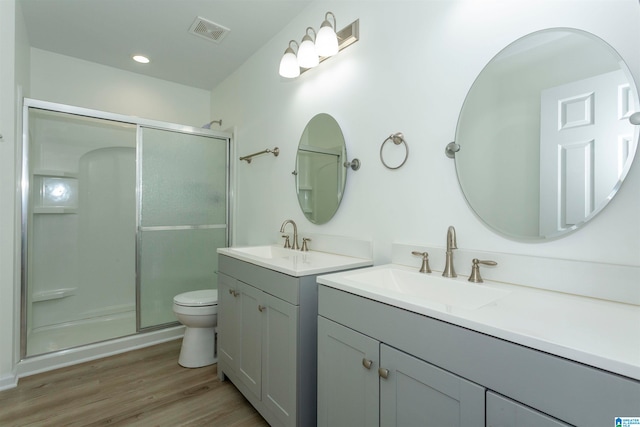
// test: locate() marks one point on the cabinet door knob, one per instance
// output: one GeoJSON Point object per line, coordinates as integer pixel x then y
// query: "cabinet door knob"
{"type": "Point", "coordinates": [367, 363]}
{"type": "Point", "coordinates": [384, 373]}
{"type": "Point", "coordinates": [234, 293]}
{"type": "Point", "coordinates": [261, 308]}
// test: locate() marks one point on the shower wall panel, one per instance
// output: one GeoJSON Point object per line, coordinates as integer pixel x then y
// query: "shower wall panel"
{"type": "Point", "coordinates": [81, 223]}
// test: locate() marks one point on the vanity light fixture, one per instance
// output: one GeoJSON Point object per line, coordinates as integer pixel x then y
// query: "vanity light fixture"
{"type": "Point", "coordinates": [141, 59]}
{"type": "Point", "coordinates": [307, 54]}
{"type": "Point", "coordinates": [311, 52]}
{"type": "Point", "coordinates": [327, 41]}
{"type": "Point", "coordinates": [289, 67]}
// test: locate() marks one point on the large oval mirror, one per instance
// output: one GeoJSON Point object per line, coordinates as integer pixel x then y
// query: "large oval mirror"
{"type": "Point", "coordinates": [544, 134]}
{"type": "Point", "coordinates": [320, 172]}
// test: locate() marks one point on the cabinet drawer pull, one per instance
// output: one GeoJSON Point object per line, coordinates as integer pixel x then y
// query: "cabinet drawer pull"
{"type": "Point", "coordinates": [384, 373]}
{"type": "Point", "coordinates": [261, 308]}
{"type": "Point", "coordinates": [367, 363]}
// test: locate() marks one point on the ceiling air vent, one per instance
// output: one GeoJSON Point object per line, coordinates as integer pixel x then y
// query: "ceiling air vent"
{"type": "Point", "coordinates": [208, 30]}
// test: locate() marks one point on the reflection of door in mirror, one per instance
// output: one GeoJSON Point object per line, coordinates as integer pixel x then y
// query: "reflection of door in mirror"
{"type": "Point", "coordinates": [516, 180]}
{"type": "Point", "coordinates": [585, 143]}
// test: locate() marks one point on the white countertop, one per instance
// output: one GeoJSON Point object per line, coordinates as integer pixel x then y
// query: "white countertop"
{"type": "Point", "coordinates": [296, 263]}
{"type": "Point", "coordinates": [595, 332]}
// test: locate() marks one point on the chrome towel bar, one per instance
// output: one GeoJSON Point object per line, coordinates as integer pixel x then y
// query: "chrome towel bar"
{"type": "Point", "coordinates": [248, 158]}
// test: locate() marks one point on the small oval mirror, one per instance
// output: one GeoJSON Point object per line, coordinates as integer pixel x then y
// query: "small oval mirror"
{"type": "Point", "coordinates": [320, 172]}
{"type": "Point", "coordinates": [544, 134]}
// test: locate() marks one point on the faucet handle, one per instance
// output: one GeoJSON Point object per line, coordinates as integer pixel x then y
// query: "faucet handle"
{"type": "Point", "coordinates": [305, 247]}
{"type": "Point", "coordinates": [475, 269]}
{"type": "Point", "coordinates": [425, 261]}
{"type": "Point", "coordinates": [287, 244]}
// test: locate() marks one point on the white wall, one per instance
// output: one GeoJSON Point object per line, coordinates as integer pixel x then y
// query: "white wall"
{"type": "Point", "coordinates": [71, 81]}
{"type": "Point", "coordinates": [409, 72]}
{"type": "Point", "coordinates": [14, 81]}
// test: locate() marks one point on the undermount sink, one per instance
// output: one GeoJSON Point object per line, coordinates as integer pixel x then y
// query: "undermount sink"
{"type": "Point", "coordinates": [294, 262]}
{"type": "Point", "coordinates": [429, 288]}
{"type": "Point", "coordinates": [268, 252]}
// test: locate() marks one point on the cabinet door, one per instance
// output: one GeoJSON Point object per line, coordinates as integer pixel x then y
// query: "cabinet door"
{"type": "Point", "coordinates": [503, 412]}
{"type": "Point", "coordinates": [418, 393]}
{"type": "Point", "coordinates": [279, 358]}
{"type": "Point", "coordinates": [250, 335]}
{"type": "Point", "coordinates": [228, 320]}
{"type": "Point", "coordinates": [347, 377]}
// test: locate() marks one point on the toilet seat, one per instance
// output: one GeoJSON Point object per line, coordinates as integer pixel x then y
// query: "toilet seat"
{"type": "Point", "coordinates": [201, 298]}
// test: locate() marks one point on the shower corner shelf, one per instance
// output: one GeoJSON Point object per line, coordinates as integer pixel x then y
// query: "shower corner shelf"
{"type": "Point", "coordinates": [53, 294]}
{"type": "Point", "coordinates": [54, 210]}
{"type": "Point", "coordinates": [55, 173]}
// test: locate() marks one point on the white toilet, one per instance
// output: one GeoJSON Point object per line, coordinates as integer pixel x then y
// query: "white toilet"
{"type": "Point", "coordinates": [198, 312]}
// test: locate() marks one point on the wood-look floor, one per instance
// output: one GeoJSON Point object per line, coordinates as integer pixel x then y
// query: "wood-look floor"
{"type": "Point", "coordinates": [144, 387]}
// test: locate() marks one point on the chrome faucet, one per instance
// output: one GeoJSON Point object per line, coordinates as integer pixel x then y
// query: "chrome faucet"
{"type": "Point", "coordinates": [295, 244]}
{"type": "Point", "coordinates": [449, 271]}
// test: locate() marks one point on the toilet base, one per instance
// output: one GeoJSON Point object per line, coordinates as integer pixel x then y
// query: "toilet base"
{"type": "Point", "coordinates": [198, 348]}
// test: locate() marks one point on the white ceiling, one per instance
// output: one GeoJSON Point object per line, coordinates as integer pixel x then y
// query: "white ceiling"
{"type": "Point", "coordinates": [109, 32]}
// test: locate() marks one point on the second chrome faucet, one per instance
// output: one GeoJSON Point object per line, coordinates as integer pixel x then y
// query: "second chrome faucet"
{"type": "Point", "coordinates": [295, 244]}
{"type": "Point", "coordinates": [449, 270]}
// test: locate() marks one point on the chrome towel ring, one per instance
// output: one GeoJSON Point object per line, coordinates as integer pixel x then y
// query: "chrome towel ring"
{"type": "Point", "coordinates": [397, 138]}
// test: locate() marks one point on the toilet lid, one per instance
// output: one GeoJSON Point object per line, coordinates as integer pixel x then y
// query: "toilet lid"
{"type": "Point", "coordinates": [197, 298]}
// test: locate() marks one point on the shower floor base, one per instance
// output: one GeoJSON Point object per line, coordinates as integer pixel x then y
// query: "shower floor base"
{"type": "Point", "coordinates": [68, 335]}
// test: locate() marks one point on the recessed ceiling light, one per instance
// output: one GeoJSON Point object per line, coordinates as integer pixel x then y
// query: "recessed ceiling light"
{"type": "Point", "coordinates": [141, 59]}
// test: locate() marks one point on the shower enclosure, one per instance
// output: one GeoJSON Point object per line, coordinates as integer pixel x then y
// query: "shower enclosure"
{"type": "Point", "coordinates": [119, 215]}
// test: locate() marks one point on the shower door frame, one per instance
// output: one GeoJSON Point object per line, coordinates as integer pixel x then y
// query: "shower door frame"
{"type": "Point", "coordinates": [26, 183]}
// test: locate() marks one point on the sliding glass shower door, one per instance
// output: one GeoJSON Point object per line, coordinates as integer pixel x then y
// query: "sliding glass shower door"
{"type": "Point", "coordinates": [119, 215]}
{"type": "Point", "coordinates": [183, 218]}
{"type": "Point", "coordinates": [79, 223]}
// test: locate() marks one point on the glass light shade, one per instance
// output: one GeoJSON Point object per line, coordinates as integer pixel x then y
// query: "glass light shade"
{"type": "Point", "coordinates": [327, 41]}
{"type": "Point", "coordinates": [289, 67]}
{"type": "Point", "coordinates": [307, 55]}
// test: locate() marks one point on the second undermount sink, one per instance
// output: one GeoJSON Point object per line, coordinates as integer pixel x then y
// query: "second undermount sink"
{"type": "Point", "coordinates": [428, 288]}
{"type": "Point", "coordinates": [268, 252]}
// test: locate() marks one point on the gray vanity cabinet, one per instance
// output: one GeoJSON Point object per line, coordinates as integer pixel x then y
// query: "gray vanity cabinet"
{"type": "Point", "coordinates": [503, 412]}
{"type": "Point", "coordinates": [228, 321]}
{"type": "Point", "coordinates": [348, 363]}
{"type": "Point", "coordinates": [267, 340]}
{"type": "Point", "coordinates": [415, 392]}
{"type": "Point", "coordinates": [363, 382]}
{"type": "Point", "coordinates": [432, 363]}
{"type": "Point", "coordinates": [266, 329]}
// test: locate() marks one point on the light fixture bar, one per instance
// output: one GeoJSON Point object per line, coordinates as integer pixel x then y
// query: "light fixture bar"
{"type": "Point", "coordinates": [346, 37]}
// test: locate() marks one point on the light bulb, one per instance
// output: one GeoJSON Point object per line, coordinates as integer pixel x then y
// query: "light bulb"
{"type": "Point", "coordinates": [289, 65]}
{"type": "Point", "coordinates": [327, 41]}
{"type": "Point", "coordinates": [141, 59]}
{"type": "Point", "coordinates": [307, 55]}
